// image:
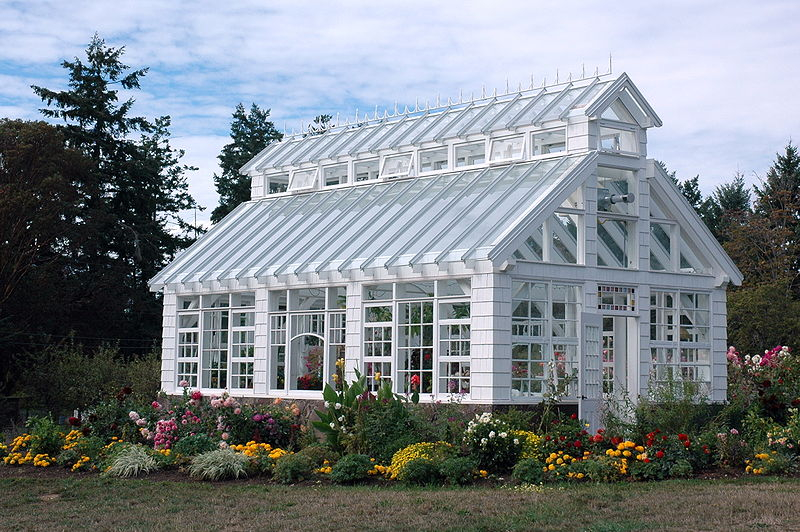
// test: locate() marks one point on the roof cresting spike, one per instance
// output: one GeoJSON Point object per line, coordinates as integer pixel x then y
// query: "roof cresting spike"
{"type": "Point", "coordinates": [583, 70]}
{"type": "Point", "coordinates": [483, 91]}
{"type": "Point", "coordinates": [556, 76]}
{"type": "Point", "coordinates": [494, 92]}
{"type": "Point", "coordinates": [596, 70]}
{"type": "Point", "coordinates": [531, 81]}
{"type": "Point", "coordinates": [519, 88]}
{"type": "Point", "coordinates": [460, 96]}
{"type": "Point", "coordinates": [405, 110]}
{"type": "Point", "coordinates": [507, 89]}
{"type": "Point", "coordinates": [427, 104]}
{"type": "Point", "coordinates": [416, 105]}
{"type": "Point", "coordinates": [610, 65]}
{"type": "Point", "coordinates": [438, 100]}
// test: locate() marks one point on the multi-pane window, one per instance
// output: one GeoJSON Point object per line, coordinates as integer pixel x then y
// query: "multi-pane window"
{"type": "Point", "coordinates": [454, 347]}
{"type": "Point", "coordinates": [307, 329]}
{"type": "Point", "coordinates": [418, 335]}
{"type": "Point", "coordinates": [377, 343]}
{"type": "Point", "coordinates": [609, 359]}
{"type": "Point", "coordinates": [506, 149]}
{"type": "Point", "coordinates": [680, 338]}
{"type": "Point", "coordinates": [544, 330]}
{"type": "Point", "coordinates": [216, 340]}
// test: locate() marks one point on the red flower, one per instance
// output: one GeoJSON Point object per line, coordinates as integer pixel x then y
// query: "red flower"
{"type": "Point", "coordinates": [562, 438]}
{"type": "Point", "coordinates": [414, 382]}
{"type": "Point", "coordinates": [601, 431]}
{"type": "Point", "coordinates": [577, 443]}
{"type": "Point", "coordinates": [75, 422]}
{"type": "Point", "coordinates": [597, 438]}
{"type": "Point", "coordinates": [683, 437]}
{"type": "Point", "coordinates": [659, 454]}
{"type": "Point", "coordinates": [547, 438]}
{"type": "Point", "coordinates": [574, 416]}
{"type": "Point", "coordinates": [686, 444]}
{"type": "Point", "coordinates": [197, 395]}
{"type": "Point", "coordinates": [616, 440]}
{"type": "Point", "coordinates": [646, 460]}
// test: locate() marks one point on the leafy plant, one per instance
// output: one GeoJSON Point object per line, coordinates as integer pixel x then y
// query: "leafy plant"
{"type": "Point", "coordinates": [293, 468]}
{"type": "Point", "coordinates": [194, 445]}
{"type": "Point", "coordinates": [490, 441]}
{"type": "Point", "coordinates": [420, 471]}
{"type": "Point", "coordinates": [458, 470]}
{"type": "Point", "coordinates": [528, 471]}
{"type": "Point", "coordinates": [46, 435]}
{"type": "Point", "coordinates": [436, 452]}
{"type": "Point", "coordinates": [351, 468]}
{"type": "Point", "coordinates": [219, 465]}
{"type": "Point", "coordinates": [132, 461]}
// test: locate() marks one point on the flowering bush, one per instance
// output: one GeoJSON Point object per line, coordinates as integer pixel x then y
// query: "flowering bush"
{"type": "Point", "coordinates": [769, 463]}
{"type": "Point", "coordinates": [770, 383]}
{"type": "Point", "coordinates": [491, 442]}
{"type": "Point", "coordinates": [436, 452]}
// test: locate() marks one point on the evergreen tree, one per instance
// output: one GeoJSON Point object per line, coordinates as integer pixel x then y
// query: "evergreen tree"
{"type": "Point", "coordinates": [133, 195]}
{"type": "Point", "coordinates": [251, 133]}
{"type": "Point", "coordinates": [727, 205]}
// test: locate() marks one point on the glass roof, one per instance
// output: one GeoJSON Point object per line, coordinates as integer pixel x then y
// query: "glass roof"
{"type": "Point", "coordinates": [448, 217]}
{"type": "Point", "coordinates": [496, 113]}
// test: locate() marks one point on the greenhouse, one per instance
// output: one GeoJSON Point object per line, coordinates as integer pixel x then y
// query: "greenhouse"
{"type": "Point", "coordinates": [487, 251]}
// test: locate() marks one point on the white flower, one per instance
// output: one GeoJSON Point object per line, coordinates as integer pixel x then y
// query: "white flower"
{"type": "Point", "coordinates": [327, 404]}
{"type": "Point", "coordinates": [516, 441]}
{"type": "Point", "coordinates": [484, 441]}
{"type": "Point", "coordinates": [133, 415]}
{"type": "Point", "coordinates": [504, 435]}
{"type": "Point", "coordinates": [341, 419]}
{"type": "Point", "coordinates": [332, 424]}
{"type": "Point", "coordinates": [338, 406]}
{"type": "Point", "coordinates": [492, 434]}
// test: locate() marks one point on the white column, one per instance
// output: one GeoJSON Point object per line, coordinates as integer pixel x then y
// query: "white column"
{"type": "Point", "coordinates": [719, 344]}
{"type": "Point", "coordinates": [169, 343]}
{"type": "Point", "coordinates": [490, 351]}
{"type": "Point", "coordinates": [261, 347]}
{"type": "Point", "coordinates": [354, 326]}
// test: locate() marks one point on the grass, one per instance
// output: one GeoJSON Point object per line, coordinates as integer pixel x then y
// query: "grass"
{"type": "Point", "coordinates": [133, 504]}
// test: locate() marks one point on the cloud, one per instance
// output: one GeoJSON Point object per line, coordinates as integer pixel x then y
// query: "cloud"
{"type": "Point", "coordinates": [722, 75]}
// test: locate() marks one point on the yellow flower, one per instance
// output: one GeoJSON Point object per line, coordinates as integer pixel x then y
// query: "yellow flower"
{"type": "Point", "coordinates": [626, 453]}
{"type": "Point", "coordinates": [551, 467]}
{"type": "Point", "coordinates": [483, 473]}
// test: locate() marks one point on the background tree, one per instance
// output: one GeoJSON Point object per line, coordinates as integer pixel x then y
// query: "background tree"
{"type": "Point", "coordinates": [39, 194]}
{"type": "Point", "coordinates": [251, 132]}
{"type": "Point", "coordinates": [129, 204]}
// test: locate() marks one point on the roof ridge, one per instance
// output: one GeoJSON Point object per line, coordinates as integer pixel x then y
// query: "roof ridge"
{"type": "Point", "coordinates": [428, 108]}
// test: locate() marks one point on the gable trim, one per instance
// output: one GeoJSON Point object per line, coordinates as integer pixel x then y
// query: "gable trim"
{"type": "Point", "coordinates": [697, 232]}
{"type": "Point", "coordinates": [616, 91]}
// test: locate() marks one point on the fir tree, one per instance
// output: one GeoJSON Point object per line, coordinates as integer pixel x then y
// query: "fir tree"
{"type": "Point", "coordinates": [130, 205]}
{"type": "Point", "coordinates": [251, 133]}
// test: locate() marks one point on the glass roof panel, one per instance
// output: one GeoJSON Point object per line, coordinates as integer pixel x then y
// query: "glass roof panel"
{"type": "Point", "coordinates": [528, 116]}
{"type": "Point", "coordinates": [457, 210]}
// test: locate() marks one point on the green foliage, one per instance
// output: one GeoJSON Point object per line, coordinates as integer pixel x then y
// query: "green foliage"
{"type": "Point", "coordinates": [762, 315]}
{"type": "Point", "coordinates": [250, 133]}
{"type": "Point", "coordinates": [517, 419]}
{"type": "Point", "coordinates": [318, 454]}
{"type": "Point", "coordinates": [194, 445]}
{"type": "Point", "coordinates": [70, 376]}
{"type": "Point", "coordinates": [47, 435]}
{"type": "Point", "coordinates": [341, 406]}
{"type": "Point", "coordinates": [528, 471]}
{"type": "Point", "coordinates": [221, 464]}
{"type": "Point", "coordinates": [421, 472]}
{"type": "Point", "coordinates": [458, 470]}
{"type": "Point", "coordinates": [674, 407]}
{"type": "Point", "coordinates": [351, 468]}
{"type": "Point", "coordinates": [293, 468]}
{"type": "Point", "coordinates": [132, 461]}
{"type": "Point", "coordinates": [383, 427]}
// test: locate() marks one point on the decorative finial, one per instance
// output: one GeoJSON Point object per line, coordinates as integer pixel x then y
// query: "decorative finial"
{"type": "Point", "coordinates": [556, 76]}
{"type": "Point", "coordinates": [610, 67]}
{"type": "Point", "coordinates": [531, 81]}
{"type": "Point", "coordinates": [483, 91]}
{"type": "Point", "coordinates": [507, 89]}
{"type": "Point", "coordinates": [460, 96]}
{"type": "Point", "coordinates": [583, 70]}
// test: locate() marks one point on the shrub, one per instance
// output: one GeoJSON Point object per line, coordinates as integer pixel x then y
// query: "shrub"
{"type": "Point", "coordinates": [458, 470]}
{"type": "Point", "coordinates": [420, 471]}
{"type": "Point", "coordinates": [528, 471]}
{"type": "Point", "coordinates": [318, 454]}
{"type": "Point", "coordinates": [194, 445]}
{"type": "Point", "coordinates": [219, 465]}
{"type": "Point", "coordinates": [436, 452]}
{"type": "Point", "coordinates": [769, 463]}
{"type": "Point", "coordinates": [351, 468]}
{"type": "Point", "coordinates": [293, 468]}
{"type": "Point", "coordinates": [518, 419]}
{"type": "Point", "coordinates": [383, 427]}
{"type": "Point", "coordinates": [490, 441]}
{"type": "Point", "coordinates": [132, 461]}
{"type": "Point", "coordinates": [46, 436]}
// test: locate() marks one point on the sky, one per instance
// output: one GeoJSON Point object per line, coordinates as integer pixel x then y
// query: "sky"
{"type": "Point", "coordinates": [723, 76]}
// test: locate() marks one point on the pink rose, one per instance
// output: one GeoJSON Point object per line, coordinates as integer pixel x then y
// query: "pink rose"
{"type": "Point", "coordinates": [237, 411]}
{"type": "Point", "coordinates": [225, 436]}
{"type": "Point", "coordinates": [156, 405]}
{"type": "Point", "coordinates": [141, 422]}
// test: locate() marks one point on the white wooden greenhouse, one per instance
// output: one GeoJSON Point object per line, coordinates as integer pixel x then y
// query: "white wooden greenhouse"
{"type": "Point", "coordinates": [476, 251]}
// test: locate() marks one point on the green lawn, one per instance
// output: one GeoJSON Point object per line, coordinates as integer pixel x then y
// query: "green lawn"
{"type": "Point", "coordinates": [63, 502]}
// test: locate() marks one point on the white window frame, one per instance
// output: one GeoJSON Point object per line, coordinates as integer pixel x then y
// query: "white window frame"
{"type": "Point", "coordinates": [405, 173]}
{"type": "Point", "coordinates": [268, 180]}
{"type": "Point", "coordinates": [522, 152]}
{"type": "Point", "coordinates": [474, 165]}
{"type": "Point", "coordinates": [532, 143]}
{"type": "Point", "coordinates": [448, 159]}
{"type": "Point", "coordinates": [200, 311]}
{"type": "Point", "coordinates": [310, 186]}
{"type": "Point", "coordinates": [354, 178]}
{"type": "Point", "coordinates": [346, 180]}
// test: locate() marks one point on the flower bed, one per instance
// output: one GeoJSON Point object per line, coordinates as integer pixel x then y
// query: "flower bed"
{"type": "Point", "coordinates": [390, 437]}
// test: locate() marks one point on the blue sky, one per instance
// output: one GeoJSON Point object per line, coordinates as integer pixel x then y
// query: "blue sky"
{"type": "Point", "coordinates": [723, 76]}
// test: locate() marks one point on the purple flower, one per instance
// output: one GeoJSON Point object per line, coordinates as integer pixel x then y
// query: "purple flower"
{"type": "Point", "coordinates": [257, 418]}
